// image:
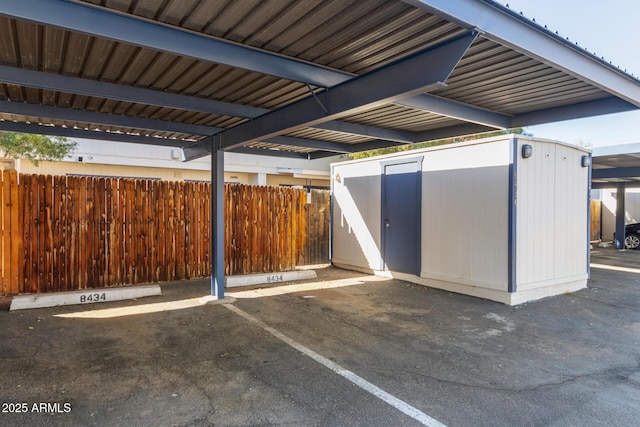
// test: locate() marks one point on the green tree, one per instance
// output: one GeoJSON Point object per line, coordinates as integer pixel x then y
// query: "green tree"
{"type": "Point", "coordinates": [34, 147]}
{"type": "Point", "coordinates": [407, 147]}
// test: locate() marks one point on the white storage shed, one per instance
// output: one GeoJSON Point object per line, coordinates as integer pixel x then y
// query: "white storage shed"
{"type": "Point", "coordinates": [502, 218]}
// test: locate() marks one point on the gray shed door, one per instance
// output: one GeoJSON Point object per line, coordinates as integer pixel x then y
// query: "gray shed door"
{"type": "Point", "coordinates": [401, 195]}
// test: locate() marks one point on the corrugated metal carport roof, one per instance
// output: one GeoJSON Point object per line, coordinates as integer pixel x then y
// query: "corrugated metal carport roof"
{"type": "Point", "coordinates": [615, 165]}
{"type": "Point", "coordinates": [177, 72]}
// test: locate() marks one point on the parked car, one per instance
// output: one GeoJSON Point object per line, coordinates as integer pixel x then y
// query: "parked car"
{"type": "Point", "coordinates": [632, 233]}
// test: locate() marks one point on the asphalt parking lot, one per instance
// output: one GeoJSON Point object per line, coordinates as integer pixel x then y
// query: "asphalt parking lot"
{"type": "Point", "coordinates": [361, 351]}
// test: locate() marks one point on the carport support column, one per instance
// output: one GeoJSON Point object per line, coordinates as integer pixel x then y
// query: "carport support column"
{"type": "Point", "coordinates": [620, 215]}
{"type": "Point", "coordinates": [217, 219]}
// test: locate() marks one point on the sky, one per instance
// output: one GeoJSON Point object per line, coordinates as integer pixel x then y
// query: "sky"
{"type": "Point", "coordinates": [608, 28]}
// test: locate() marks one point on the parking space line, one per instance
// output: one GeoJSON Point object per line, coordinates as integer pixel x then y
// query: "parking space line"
{"type": "Point", "coordinates": [400, 405]}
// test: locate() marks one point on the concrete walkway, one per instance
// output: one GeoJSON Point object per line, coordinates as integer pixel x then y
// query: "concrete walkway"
{"type": "Point", "coordinates": [277, 357]}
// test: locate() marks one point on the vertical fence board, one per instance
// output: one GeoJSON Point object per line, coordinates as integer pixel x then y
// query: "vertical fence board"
{"type": "Point", "coordinates": [72, 232]}
{"type": "Point", "coordinates": [16, 258]}
{"type": "Point", "coordinates": [153, 236]}
{"type": "Point", "coordinates": [253, 232]}
{"type": "Point", "coordinates": [162, 227]}
{"type": "Point", "coordinates": [265, 229]}
{"type": "Point", "coordinates": [108, 216]}
{"type": "Point", "coordinates": [171, 236]}
{"type": "Point", "coordinates": [64, 234]}
{"type": "Point", "coordinates": [138, 234]}
{"type": "Point", "coordinates": [93, 227]}
{"type": "Point", "coordinates": [117, 231]}
{"type": "Point", "coordinates": [25, 284]}
{"type": "Point", "coordinates": [180, 232]}
{"type": "Point", "coordinates": [56, 231]}
{"type": "Point", "coordinates": [148, 237]}
{"type": "Point", "coordinates": [202, 188]}
{"type": "Point", "coordinates": [186, 225]}
{"type": "Point", "coordinates": [5, 269]}
{"type": "Point", "coordinates": [41, 218]}
{"type": "Point", "coordinates": [130, 231]}
{"type": "Point", "coordinates": [101, 212]}
{"type": "Point", "coordinates": [83, 246]}
{"type": "Point", "coordinates": [33, 233]}
{"type": "Point", "coordinates": [229, 245]}
{"type": "Point", "coordinates": [5, 226]}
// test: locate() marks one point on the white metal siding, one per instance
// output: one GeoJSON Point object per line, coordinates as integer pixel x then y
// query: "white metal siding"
{"type": "Point", "coordinates": [535, 213]}
{"type": "Point", "coordinates": [551, 215]}
{"type": "Point", "coordinates": [571, 219]}
{"type": "Point", "coordinates": [356, 214]}
{"type": "Point", "coordinates": [465, 215]}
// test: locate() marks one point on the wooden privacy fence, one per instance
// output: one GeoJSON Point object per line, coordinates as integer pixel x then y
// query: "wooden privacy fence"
{"type": "Point", "coordinates": [63, 233]}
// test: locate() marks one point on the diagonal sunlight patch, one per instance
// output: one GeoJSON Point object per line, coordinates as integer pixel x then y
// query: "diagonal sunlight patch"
{"type": "Point", "coordinates": [143, 308]}
{"type": "Point", "coordinates": [230, 297]}
{"type": "Point", "coordinates": [305, 287]}
{"type": "Point", "coordinates": [614, 268]}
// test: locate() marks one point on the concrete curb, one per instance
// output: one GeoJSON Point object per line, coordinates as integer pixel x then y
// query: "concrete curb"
{"type": "Point", "coordinates": [92, 296]}
{"type": "Point", "coordinates": [270, 278]}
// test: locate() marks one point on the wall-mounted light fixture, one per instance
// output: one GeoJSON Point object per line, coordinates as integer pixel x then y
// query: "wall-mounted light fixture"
{"type": "Point", "coordinates": [585, 161]}
{"type": "Point", "coordinates": [527, 151]}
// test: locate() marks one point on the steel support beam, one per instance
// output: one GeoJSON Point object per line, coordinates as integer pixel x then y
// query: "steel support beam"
{"type": "Point", "coordinates": [92, 117]}
{"type": "Point", "coordinates": [419, 73]}
{"type": "Point", "coordinates": [321, 155]}
{"type": "Point", "coordinates": [452, 131]}
{"type": "Point", "coordinates": [603, 185]}
{"type": "Point", "coordinates": [506, 27]}
{"type": "Point", "coordinates": [458, 110]}
{"type": "Point", "coordinates": [375, 145]}
{"type": "Point", "coordinates": [620, 215]}
{"type": "Point", "coordinates": [623, 172]}
{"type": "Point", "coordinates": [368, 131]}
{"type": "Point", "coordinates": [93, 88]}
{"type": "Point", "coordinates": [217, 221]}
{"type": "Point", "coordinates": [89, 134]}
{"type": "Point", "coordinates": [310, 143]}
{"type": "Point", "coordinates": [598, 107]}
{"type": "Point", "coordinates": [364, 146]}
{"type": "Point", "coordinates": [269, 152]}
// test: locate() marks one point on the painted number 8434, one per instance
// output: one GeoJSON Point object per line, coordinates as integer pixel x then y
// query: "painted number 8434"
{"type": "Point", "coordinates": [93, 297]}
{"type": "Point", "coordinates": [275, 278]}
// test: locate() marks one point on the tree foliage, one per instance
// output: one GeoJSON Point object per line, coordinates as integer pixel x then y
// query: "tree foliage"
{"type": "Point", "coordinates": [35, 147]}
{"type": "Point", "coordinates": [407, 147]}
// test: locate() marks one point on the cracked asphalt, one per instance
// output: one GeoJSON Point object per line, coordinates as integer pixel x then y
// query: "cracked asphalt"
{"type": "Point", "coordinates": [571, 360]}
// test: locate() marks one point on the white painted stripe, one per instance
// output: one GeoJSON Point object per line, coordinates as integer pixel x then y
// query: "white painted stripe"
{"type": "Point", "coordinates": [614, 268]}
{"type": "Point", "coordinates": [400, 405]}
